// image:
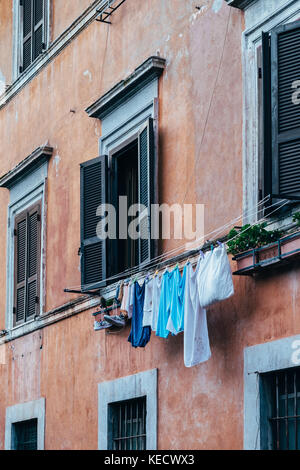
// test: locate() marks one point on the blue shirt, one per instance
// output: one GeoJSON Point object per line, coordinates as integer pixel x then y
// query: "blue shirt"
{"type": "Point", "coordinates": [139, 335]}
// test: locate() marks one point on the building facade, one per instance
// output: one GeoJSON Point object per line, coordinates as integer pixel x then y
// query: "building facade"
{"type": "Point", "coordinates": [202, 99]}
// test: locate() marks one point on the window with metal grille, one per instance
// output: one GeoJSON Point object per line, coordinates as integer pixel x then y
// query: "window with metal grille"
{"type": "Point", "coordinates": [24, 435]}
{"type": "Point", "coordinates": [280, 410]}
{"type": "Point", "coordinates": [27, 236]}
{"type": "Point", "coordinates": [32, 22]}
{"type": "Point", "coordinates": [127, 425]}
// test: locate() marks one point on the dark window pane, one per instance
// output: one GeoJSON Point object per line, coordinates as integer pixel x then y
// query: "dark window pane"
{"type": "Point", "coordinates": [24, 435]}
{"type": "Point", "coordinates": [127, 425]}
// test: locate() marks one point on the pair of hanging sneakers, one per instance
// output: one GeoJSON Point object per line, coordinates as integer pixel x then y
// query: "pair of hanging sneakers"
{"type": "Point", "coordinates": [109, 321]}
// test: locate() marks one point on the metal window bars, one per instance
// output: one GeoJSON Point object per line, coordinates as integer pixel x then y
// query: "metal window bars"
{"type": "Point", "coordinates": [128, 425]}
{"type": "Point", "coordinates": [285, 421]}
{"type": "Point", "coordinates": [108, 11]}
{"type": "Point", "coordinates": [25, 435]}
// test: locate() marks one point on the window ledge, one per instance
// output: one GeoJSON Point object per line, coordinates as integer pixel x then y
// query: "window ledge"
{"type": "Point", "coordinates": [67, 310]}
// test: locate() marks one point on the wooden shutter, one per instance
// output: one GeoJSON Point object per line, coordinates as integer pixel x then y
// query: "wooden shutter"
{"type": "Point", "coordinates": [27, 234]}
{"type": "Point", "coordinates": [33, 25]}
{"type": "Point", "coordinates": [26, 15]}
{"type": "Point", "coordinates": [285, 70]}
{"type": "Point", "coordinates": [93, 189]}
{"type": "Point", "coordinates": [38, 27]}
{"type": "Point", "coordinates": [146, 189]}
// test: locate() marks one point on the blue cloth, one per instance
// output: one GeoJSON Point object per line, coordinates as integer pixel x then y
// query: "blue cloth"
{"type": "Point", "coordinates": [176, 319]}
{"type": "Point", "coordinates": [164, 305]}
{"type": "Point", "coordinates": [139, 335]}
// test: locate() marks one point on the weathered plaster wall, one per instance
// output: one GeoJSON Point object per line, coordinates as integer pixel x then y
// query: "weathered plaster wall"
{"type": "Point", "coordinates": [201, 89]}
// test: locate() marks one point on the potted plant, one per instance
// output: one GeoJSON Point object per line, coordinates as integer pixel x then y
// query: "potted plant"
{"type": "Point", "coordinates": [253, 245]}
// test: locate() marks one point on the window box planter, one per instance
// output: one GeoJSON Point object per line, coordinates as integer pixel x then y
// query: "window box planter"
{"type": "Point", "coordinates": [284, 251]}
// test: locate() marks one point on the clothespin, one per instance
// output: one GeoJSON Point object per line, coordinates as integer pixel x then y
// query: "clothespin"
{"type": "Point", "coordinates": [212, 247]}
{"type": "Point", "coordinates": [201, 254]}
{"type": "Point", "coordinates": [219, 243]}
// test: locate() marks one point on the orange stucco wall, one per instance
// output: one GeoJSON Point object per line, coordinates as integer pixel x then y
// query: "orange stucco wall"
{"type": "Point", "coordinates": [200, 134]}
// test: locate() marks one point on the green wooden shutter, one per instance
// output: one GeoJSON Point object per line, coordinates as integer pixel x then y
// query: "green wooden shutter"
{"type": "Point", "coordinates": [285, 70]}
{"type": "Point", "coordinates": [146, 189]}
{"type": "Point", "coordinates": [34, 256]}
{"type": "Point", "coordinates": [267, 115]}
{"type": "Point", "coordinates": [20, 234]}
{"type": "Point", "coordinates": [93, 189]}
{"type": "Point", "coordinates": [27, 264]}
{"type": "Point", "coordinates": [38, 28]}
{"type": "Point", "coordinates": [33, 24]}
{"type": "Point", "coordinates": [26, 12]}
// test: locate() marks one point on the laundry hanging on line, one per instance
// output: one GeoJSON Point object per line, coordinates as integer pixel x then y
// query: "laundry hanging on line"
{"type": "Point", "coordinates": [173, 303]}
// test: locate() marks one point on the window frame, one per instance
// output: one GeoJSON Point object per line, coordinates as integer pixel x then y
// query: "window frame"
{"type": "Point", "coordinates": [18, 39]}
{"type": "Point", "coordinates": [26, 412]}
{"type": "Point", "coordinates": [257, 20]}
{"type": "Point", "coordinates": [143, 384]}
{"type": "Point", "coordinates": [260, 359]}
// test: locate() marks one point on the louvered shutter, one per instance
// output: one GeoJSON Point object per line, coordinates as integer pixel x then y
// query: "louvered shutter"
{"type": "Point", "coordinates": [146, 189]}
{"type": "Point", "coordinates": [38, 28]}
{"type": "Point", "coordinates": [27, 234]}
{"type": "Point", "coordinates": [93, 250]}
{"type": "Point", "coordinates": [285, 71]}
{"type": "Point", "coordinates": [33, 265]}
{"type": "Point", "coordinates": [33, 24]}
{"type": "Point", "coordinates": [26, 12]}
{"type": "Point", "coordinates": [20, 234]}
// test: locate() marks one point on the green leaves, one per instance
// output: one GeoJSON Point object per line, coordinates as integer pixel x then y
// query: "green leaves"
{"type": "Point", "coordinates": [249, 237]}
{"type": "Point", "coordinates": [296, 218]}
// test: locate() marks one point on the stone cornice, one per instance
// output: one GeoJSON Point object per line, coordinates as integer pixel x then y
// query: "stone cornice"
{"type": "Point", "coordinates": [150, 69]}
{"type": "Point", "coordinates": [241, 4]}
{"type": "Point", "coordinates": [39, 156]}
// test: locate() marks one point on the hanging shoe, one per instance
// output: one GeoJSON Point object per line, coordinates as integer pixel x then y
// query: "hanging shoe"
{"type": "Point", "coordinates": [101, 325]}
{"type": "Point", "coordinates": [117, 320]}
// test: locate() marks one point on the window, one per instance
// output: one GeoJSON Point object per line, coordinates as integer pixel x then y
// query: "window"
{"type": "Point", "coordinates": [25, 426]}
{"type": "Point", "coordinates": [127, 425]}
{"type": "Point", "coordinates": [127, 412]}
{"type": "Point", "coordinates": [127, 171]}
{"type": "Point", "coordinates": [281, 111]}
{"type": "Point", "coordinates": [280, 409]}
{"type": "Point", "coordinates": [32, 31]}
{"type": "Point", "coordinates": [24, 435]}
{"type": "Point", "coordinates": [27, 242]}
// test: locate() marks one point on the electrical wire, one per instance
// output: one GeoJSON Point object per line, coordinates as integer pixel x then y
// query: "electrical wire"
{"type": "Point", "coordinates": [137, 270]}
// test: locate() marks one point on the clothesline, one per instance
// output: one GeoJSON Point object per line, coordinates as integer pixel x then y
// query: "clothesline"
{"type": "Point", "coordinates": [159, 259]}
{"type": "Point", "coordinates": [175, 250]}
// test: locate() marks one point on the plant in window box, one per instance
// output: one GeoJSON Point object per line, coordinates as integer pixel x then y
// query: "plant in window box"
{"type": "Point", "coordinates": [243, 241]}
{"type": "Point", "coordinates": [296, 218]}
{"type": "Point", "coordinates": [256, 245]}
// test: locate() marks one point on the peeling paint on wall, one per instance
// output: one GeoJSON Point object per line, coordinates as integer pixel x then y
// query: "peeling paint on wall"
{"type": "Point", "coordinates": [217, 5]}
{"type": "Point", "coordinates": [55, 164]}
{"type": "Point", "coordinates": [87, 73]}
{"type": "Point", "coordinates": [2, 83]}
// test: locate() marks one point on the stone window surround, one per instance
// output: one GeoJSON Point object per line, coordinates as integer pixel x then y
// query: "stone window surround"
{"type": "Point", "coordinates": [27, 183]}
{"type": "Point", "coordinates": [268, 357]}
{"type": "Point", "coordinates": [127, 388]}
{"type": "Point", "coordinates": [25, 412]}
{"type": "Point", "coordinates": [279, 12]}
